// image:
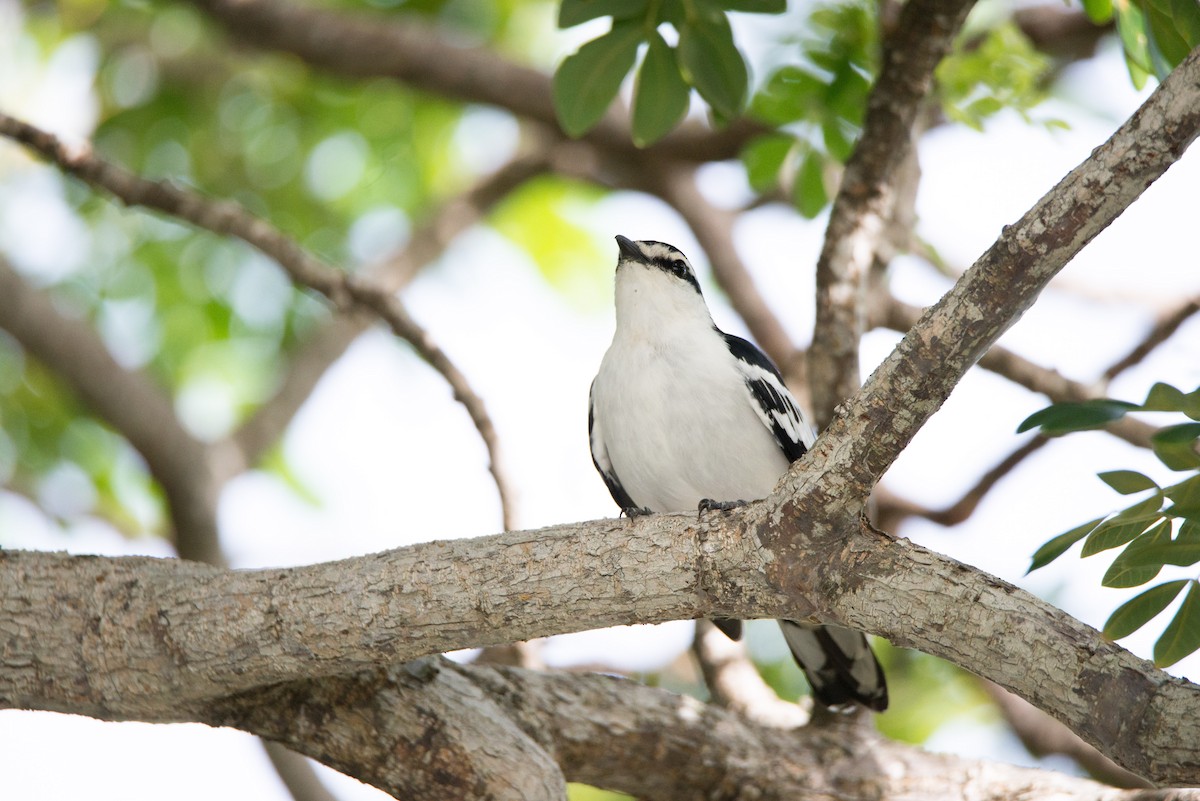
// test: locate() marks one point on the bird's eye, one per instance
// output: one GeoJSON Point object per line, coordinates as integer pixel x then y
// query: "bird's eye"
{"type": "Point", "coordinates": [679, 267]}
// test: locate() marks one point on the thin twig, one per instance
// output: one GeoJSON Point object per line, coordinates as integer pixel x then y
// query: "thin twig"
{"type": "Point", "coordinates": [227, 217]}
{"type": "Point", "coordinates": [1162, 330]}
{"type": "Point", "coordinates": [326, 345]}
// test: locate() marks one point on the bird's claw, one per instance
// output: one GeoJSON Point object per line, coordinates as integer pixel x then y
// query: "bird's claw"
{"type": "Point", "coordinates": [635, 511]}
{"type": "Point", "coordinates": [709, 505]}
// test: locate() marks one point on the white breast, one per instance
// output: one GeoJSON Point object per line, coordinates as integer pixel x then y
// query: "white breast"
{"type": "Point", "coordinates": [679, 423]}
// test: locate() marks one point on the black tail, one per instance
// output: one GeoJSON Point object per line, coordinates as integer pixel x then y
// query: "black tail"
{"type": "Point", "coordinates": [839, 664]}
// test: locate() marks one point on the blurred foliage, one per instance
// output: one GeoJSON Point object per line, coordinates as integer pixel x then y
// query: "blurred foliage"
{"type": "Point", "coordinates": [999, 69]}
{"type": "Point", "coordinates": [924, 692]}
{"type": "Point", "coordinates": [1160, 529]}
{"type": "Point", "coordinates": [342, 167]}
{"type": "Point", "coordinates": [585, 792]}
{"type": "Point", "coordinates": [546, 218]}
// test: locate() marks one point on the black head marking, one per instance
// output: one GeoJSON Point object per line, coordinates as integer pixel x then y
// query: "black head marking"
{"type": "Point", "coordinates": [666, 257]}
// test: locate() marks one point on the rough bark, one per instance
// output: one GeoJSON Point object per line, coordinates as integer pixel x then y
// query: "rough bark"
{"type": "Point", "coordinates": [859, 217]}
{"type": "Point", "coordinates": [134, 636]}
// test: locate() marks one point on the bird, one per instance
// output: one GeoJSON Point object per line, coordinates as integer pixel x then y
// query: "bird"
{"type": "Point", "coordinates": [683, 416]}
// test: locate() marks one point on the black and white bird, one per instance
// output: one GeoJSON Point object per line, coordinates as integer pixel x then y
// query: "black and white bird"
{"type": "Point", "coordinates": [684, 416]}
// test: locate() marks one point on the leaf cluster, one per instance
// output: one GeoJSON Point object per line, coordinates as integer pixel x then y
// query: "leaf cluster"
{"type": "Point", "coordinates": [817, 107]}
{"type": "Point", "coordinates": [705, 58]}
{"type": "Point", "coordinates": [1155, 34]}
{"type": "Point", "coordinates": [1160, 529]}
{"type": "Point", "coordinates": [981, 77]}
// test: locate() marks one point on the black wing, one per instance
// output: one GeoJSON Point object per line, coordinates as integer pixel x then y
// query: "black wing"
{"type": "Point", "coordinates": [603, 465]}
{"type": "Point", "coordinates": [774, 403]}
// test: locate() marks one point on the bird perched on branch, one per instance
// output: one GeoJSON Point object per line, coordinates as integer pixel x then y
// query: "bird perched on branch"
{"type": "Point", "coordinates": [684, 416]}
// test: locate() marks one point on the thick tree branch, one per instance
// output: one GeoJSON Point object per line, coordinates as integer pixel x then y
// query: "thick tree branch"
{"type": "Point", "coordinates": [914, 380]}
{"type": "Point", "coordinates": [189, 472]}
{"type": "Point", "coordinates": [863, 205]}
{"type": "Point", "coordinates": [227, 217]}
{"type": "Point", "coordinates": [139, 636]}
{"type": "Point", "coordinates": [1055, 386]}
{"type": "Point", "coordinates": [1042, 735]}
{"type": "Point", "coordinates": [610, 733]}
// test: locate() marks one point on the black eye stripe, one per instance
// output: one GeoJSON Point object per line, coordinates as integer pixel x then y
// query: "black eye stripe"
{"type": "Point", "coordinates": [677, 267]}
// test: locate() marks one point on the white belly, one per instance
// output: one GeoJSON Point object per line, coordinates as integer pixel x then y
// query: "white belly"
{"type": "Point", "coordinates": [684, 430]}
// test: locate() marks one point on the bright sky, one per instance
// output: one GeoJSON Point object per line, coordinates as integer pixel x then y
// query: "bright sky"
{"type": "Point", "coordinates": [531, 354]}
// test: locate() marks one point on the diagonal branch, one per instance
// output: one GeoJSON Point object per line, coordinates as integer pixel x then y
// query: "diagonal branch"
{"type": "Point", "coordinates": [326, 345]}
{"type": "Point", "coordinates": [1162, 330]}
{"type": "Point", "coordinates": [863, 206]}
{"type": "Point", "coordinates": [227, 217]}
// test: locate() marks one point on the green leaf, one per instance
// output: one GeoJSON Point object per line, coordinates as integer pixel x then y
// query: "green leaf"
{"type": "Point", "coordinates": [1127, 570]}
{"type": "Point", "coordinates": [1147, 509]}
{"type": "Point", "coordinates": [764, 158]}
{"type": "Point", "coordinates": [587, 80]}
{"type": "Point", "coordinates": [1166, 398]}
{"type": "Point", "coordinates": [756, 6]}
{"type": "Point", "coordinates": [1063, 418]}
{"type": "Point", "coordinates": [1173, 29]}
{"type": "Point", "coordinates": [808, 193]}
{"type": "Point", "coordinates": [573, 12]}
{"type": "Point", "coordinates": [712, 63]}
{"type": "Point", "coordinates": [1057, 546]}
{"type": "Point", "coordinates": [1140, 609]}
{"type": "Point", "coordinates": [1131, 27]}
{"type": "Point", "coordinates": [789, 95]}
{"type": "Point", "coordinates": [1175, 446]}
{"type": "Point", "coordinates": [1117, 530]}
{"type": "Point", "coordinates": [1182, 551]}
{"type": "Point", "coordinates": [1127, 482]}
{"type": "Point", "coordinates": [660, 96]}
{"type": "Point", "coordinates": [1098, 11]}
{"type": "Point", "coordinates": [1182, 635]}
{"type": "Point", "coordinates": [1185, 497]}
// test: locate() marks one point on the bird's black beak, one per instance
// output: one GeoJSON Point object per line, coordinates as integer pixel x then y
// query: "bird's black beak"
{"type": "Point", "coordinates": [629, 248]}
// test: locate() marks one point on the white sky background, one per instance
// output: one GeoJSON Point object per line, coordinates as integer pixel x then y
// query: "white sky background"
{"type": "Point", "coordinates": [382, 441]}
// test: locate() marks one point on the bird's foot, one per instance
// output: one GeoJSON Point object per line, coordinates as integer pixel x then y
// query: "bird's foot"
{"type": "Point", "coordinates": [635, 511]}
{"type": "Point", "coordinates": [709, 505]}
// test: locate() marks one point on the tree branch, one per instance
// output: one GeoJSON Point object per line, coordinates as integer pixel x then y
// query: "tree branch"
{"type": "Point", "coordinates": [371, 45]}
{"type": "Point", "coordinates": [188, 471]}
{"type": "Point", "coordinates": [146, 635]}
{"type": "Point", "coordinates": [326, 345]}
{"type": "Point", "coordinates": [1042, 735]}
{"type": "Point", "coordinates": [1162, 330]}
{"type": "Point", "coordinates": [143, 633]}
{"type": "Point", "coordinates": [229, 218]}
{"type": "Point", "coordinates": [862, 207]}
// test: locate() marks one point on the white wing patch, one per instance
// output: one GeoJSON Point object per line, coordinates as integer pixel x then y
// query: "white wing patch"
{"type": "Point", "coordinates": [777, 409]}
